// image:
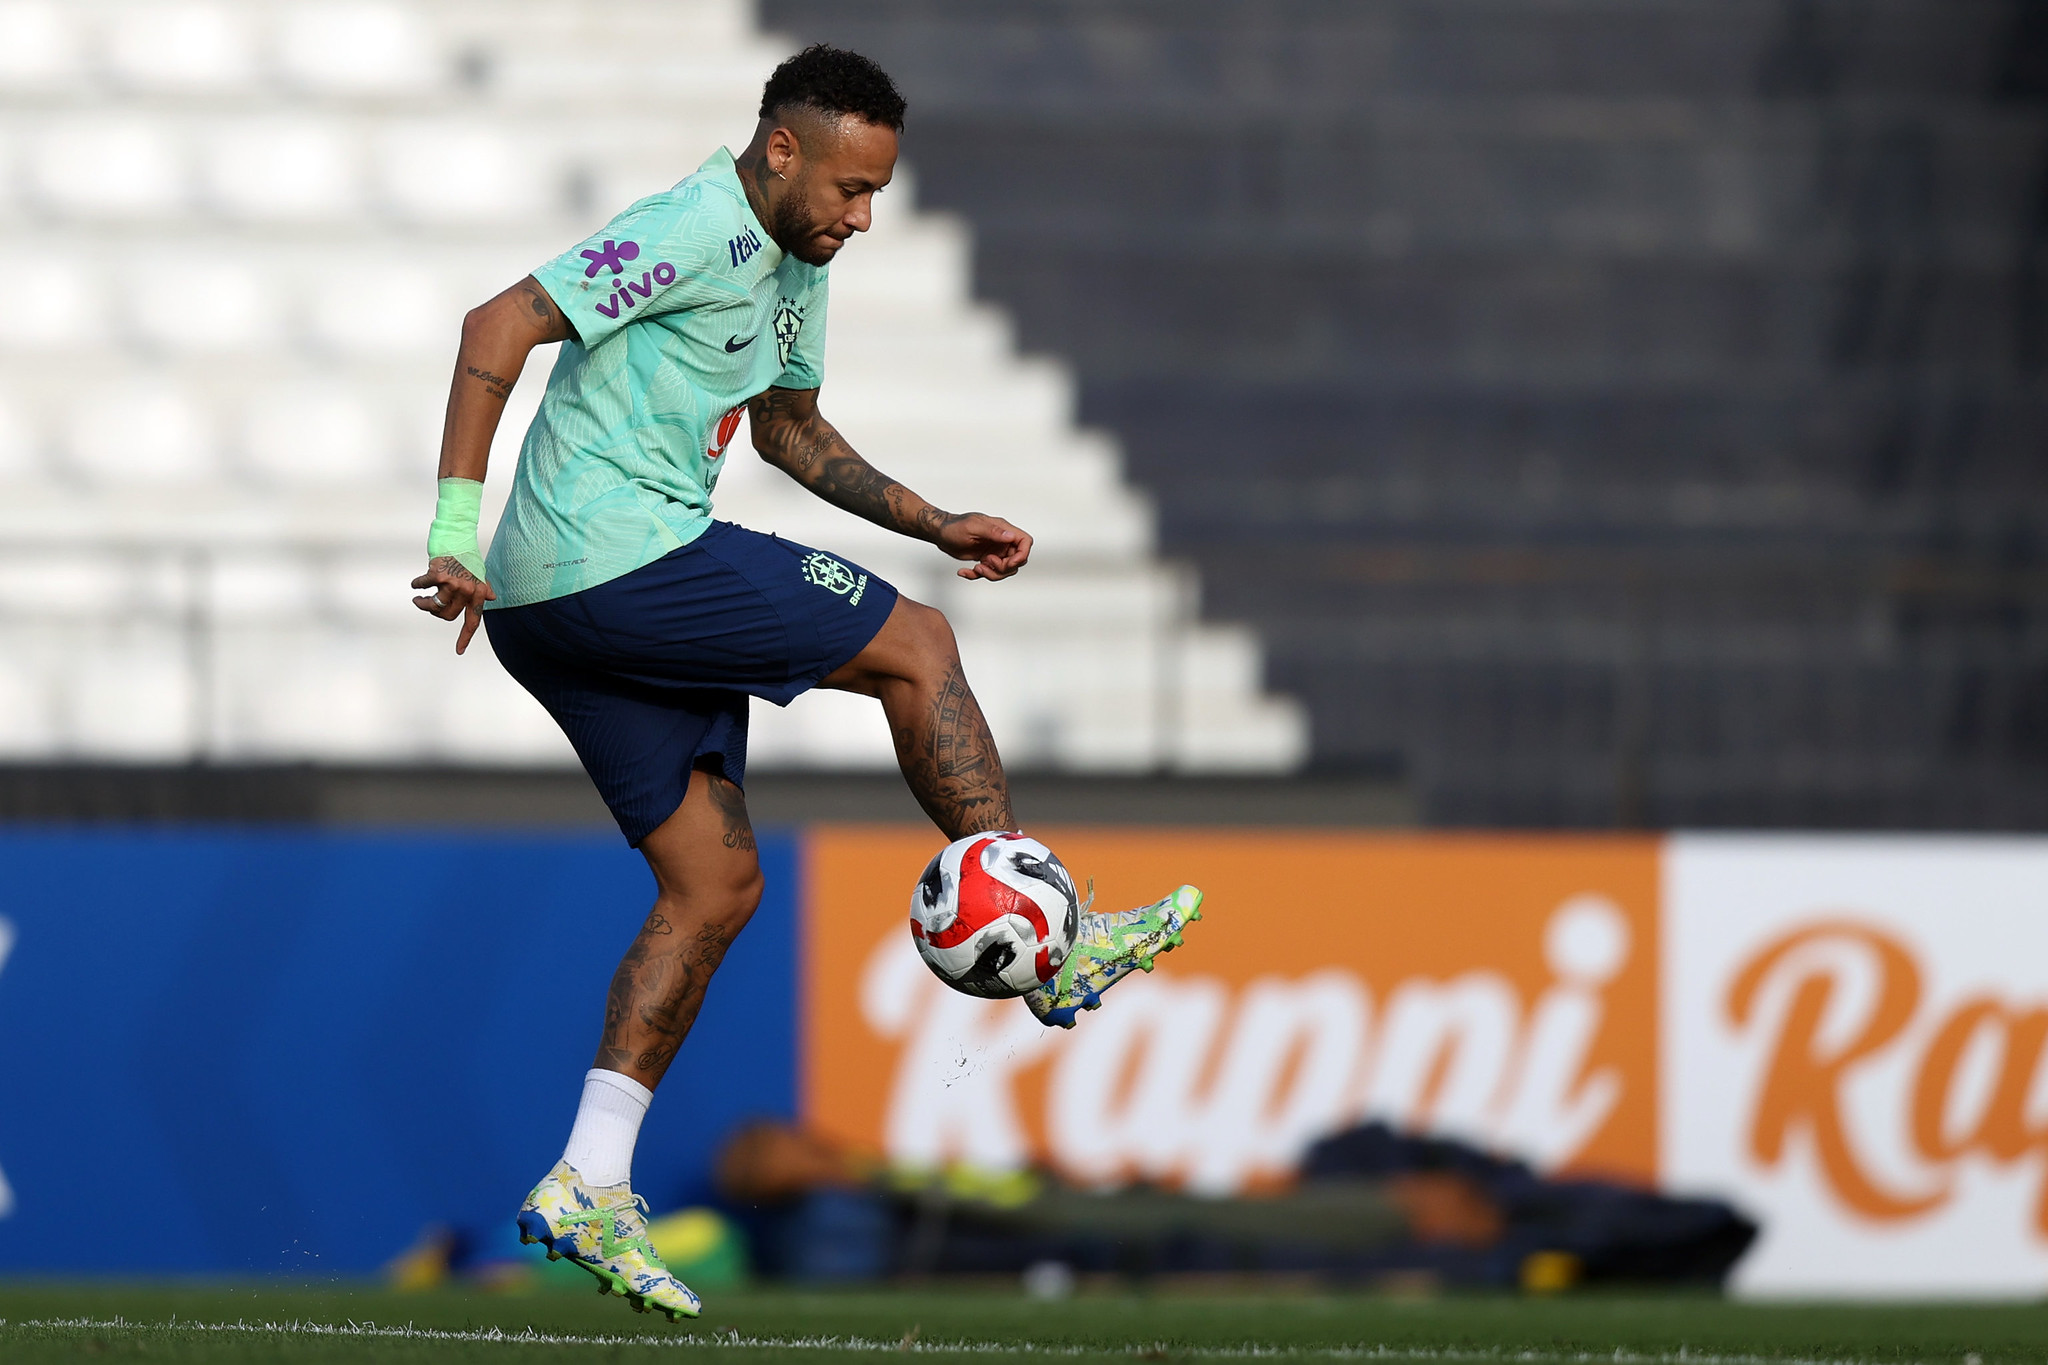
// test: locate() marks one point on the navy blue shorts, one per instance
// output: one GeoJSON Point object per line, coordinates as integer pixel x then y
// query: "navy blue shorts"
{"type": "Point", "coordinates": [649, 674]}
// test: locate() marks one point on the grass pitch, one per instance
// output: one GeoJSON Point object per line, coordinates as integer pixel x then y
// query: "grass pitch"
{"type": "Point", "coordinates": [53, 1322]}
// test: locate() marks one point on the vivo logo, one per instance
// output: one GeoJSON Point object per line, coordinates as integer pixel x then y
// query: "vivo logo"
{"type": "Point", "coordinates": [644, 287]}
{"type": "Point", "coordinates": [613, 257]}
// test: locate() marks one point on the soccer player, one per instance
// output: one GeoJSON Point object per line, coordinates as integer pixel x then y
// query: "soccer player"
{"type": "Point", "coordinates": [644, 626]}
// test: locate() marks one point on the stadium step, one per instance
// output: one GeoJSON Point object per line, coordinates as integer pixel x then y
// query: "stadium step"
{"type": "Point", "coordinates": [1555, 386]}
{"type": "Point", "coordinates": [242, 236]}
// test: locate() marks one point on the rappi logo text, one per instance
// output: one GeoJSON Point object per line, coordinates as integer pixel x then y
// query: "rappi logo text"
{"type": "Point", "coordinates": [1837, 1010]}
{"type": "Point", "coordinates": [1191, 1080]}
{"type": "Point", "coordinates": [613, 256]}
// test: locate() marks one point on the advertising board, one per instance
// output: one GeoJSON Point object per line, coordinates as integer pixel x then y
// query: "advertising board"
{"type": "Point", "coordinates": [1844, 1036]}
{"type": "Point", "coordinates": [286, 1052]}
{"type": "Point", "coordinates": [1854, 1032]}
{"type": "Point", "coordinates": [232, 1032]}
{"type": "Point", "coordinates": [1498, 989]}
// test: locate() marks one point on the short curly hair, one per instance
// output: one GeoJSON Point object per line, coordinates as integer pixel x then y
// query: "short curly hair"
{"type": "Point", "coordinates": [832, 80]}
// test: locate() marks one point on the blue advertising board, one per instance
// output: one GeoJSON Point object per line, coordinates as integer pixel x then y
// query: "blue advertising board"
{"type": "Point", "coordinates": [253, 1051]}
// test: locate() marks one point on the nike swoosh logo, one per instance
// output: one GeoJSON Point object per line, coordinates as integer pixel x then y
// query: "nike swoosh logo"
{"type": "Point", "coordinates": [735, 344]}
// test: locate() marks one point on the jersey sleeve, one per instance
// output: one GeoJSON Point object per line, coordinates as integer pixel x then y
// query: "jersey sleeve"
{"type": "Point", "coordinates": [645, 262]}
{"type": "Point", "coordinates": [803, 364]}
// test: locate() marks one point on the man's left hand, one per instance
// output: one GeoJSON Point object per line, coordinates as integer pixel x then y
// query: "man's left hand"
{"type": "Point", "coordinates": [996, 548]}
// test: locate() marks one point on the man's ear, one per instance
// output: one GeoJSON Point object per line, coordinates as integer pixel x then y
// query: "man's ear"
{"type": "Point", "coordinates": [784, 153]}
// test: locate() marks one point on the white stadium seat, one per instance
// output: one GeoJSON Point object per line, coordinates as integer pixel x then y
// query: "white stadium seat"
{"type": "Point", "coordinates": [310, 436]}
{"type": "Point", "coordinates": [55, 300]}
{"type": "Point", "coordinates": [1216, 669]}
{"type": "Point", "coordinates": [21, 445]}
{"type": "Point", "coordinates": [237, 240]}
{"type": "Point", "coordinates": [41, 46]}
{"type": "Point", "coordinates": [282, 170]}
{"type": "Point", "coordinates": [473, 710]}
{"type": "Point", "coordinates": [119, 168]}
{"type": "Point", "coordinates": [370, 588]}
{"type": "Point", "coordinates": [203, 304]}
{"type": "Point", "coordinates": [457, 173]}
{"type": "Point", "coordinates": [383, 308]}
{"type": "Point", "coordinates": [45, 583]}
{"type": "Point", "coordinates": [28, 721]}
{"type": "Point", "coordinates": [130, 693]}
{"type": "Point", "coordinates": [357, 47]}
{"type": "Point", "coordinates": [248, 585]}
{"type": "Point", "coordinates": [834, 730]}
{"type": "Point", "coordinates": [304, 690]}
{"type": "Point", "coordinates": [179, 47]}
{"type": "Point", "coordinates": [142, 431]}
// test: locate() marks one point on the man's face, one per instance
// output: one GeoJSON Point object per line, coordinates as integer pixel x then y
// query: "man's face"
{"type": "Point", "coordinates": [831, 191]}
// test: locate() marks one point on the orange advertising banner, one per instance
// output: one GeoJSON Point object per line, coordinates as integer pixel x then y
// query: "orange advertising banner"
{"type": "Point", "coordinates": [1502, 990]}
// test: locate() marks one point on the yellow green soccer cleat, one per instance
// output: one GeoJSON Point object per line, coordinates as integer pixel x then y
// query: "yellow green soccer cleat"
{"type": "Point", "coordinates": [1109, 948]}
{"type": "Point", "coordinates": [604, 1231]}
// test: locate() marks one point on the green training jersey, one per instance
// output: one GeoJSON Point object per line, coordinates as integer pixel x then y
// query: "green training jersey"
{"type": "Point", "coordinates": [685, 309]}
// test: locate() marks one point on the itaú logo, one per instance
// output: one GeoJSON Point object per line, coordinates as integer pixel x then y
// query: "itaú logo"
{"type": "Point", "coordinates": [1187, 1079]}
{"type": "Point", "coordinates": [1890, 1095]}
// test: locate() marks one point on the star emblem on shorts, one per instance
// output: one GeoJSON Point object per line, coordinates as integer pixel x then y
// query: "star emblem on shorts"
{"type": "Point", "coordinates": [828, 573]}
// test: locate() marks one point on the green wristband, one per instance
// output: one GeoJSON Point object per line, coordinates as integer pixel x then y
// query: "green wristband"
{"type": "Point", "coordinates": [454, 530]}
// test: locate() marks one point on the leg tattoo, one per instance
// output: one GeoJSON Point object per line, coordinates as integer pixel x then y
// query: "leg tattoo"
{"type": "Point", "coordinates": [732, 808]}
{"type": "Point", "coordinates": [952, 766]}
{"type": "Point", "coordinates": [655, 996]}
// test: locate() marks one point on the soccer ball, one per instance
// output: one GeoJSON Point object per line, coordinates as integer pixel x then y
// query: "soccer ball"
{"type": "Point", "coordinates": [994, 915]}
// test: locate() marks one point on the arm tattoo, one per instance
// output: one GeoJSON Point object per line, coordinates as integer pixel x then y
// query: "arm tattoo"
{"type": "Point", "coordinates": [931, 521]}
{"type": "Point", "coordinates": [793, 436]}
{"type": "Point", "coordinates": [550, 319]}
{"type": "Point", "coordinates": [497, 386]}
{"type": "Point", "coordinates": [847, 481]}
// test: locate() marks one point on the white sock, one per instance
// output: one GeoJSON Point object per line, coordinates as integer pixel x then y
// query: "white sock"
{"type": "Point", "coordinates": [607, 1125]}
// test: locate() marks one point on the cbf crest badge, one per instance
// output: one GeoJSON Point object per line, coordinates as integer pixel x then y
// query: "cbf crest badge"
{"type": "Point", "coordinates": [829, 574]}
{"type": "Point", "coordinates": [789, 320]}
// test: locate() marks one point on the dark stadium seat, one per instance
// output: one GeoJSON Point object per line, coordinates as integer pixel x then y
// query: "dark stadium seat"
{"type": "Point", "coordinates": [1607, 412]}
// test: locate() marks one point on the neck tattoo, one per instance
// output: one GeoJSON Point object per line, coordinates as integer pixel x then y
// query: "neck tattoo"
{"type": "Point", "coordinates": [754, 180]}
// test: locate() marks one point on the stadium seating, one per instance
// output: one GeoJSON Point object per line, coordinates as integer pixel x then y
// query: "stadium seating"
{"type": "Point", "coordinates": [1605, 411]}
{"type": "Point", "coordinates": [239, 237]}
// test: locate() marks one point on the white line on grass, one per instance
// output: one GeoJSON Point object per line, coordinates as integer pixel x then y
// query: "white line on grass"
{"type": "Point", "coordinates": [1148, 1350]}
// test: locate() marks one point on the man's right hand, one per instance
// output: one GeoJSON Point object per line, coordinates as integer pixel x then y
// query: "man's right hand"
{"type": "Point", "coordinates": [457, 592]}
